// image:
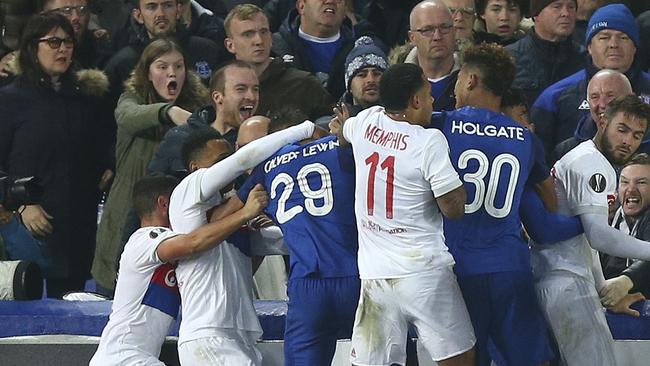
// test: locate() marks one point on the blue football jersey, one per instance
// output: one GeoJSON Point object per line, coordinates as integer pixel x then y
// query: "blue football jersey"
{"type": "Point", "coordinates": [311, 198]}
{"type": "Point", "coordinates": [495, 157]}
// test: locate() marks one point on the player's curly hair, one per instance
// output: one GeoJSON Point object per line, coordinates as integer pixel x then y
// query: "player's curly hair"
{"type": "Point", "coordinates": [495, 65]}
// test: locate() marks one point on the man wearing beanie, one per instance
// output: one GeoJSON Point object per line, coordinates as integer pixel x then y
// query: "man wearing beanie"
{"type": "Point", "coordinates": [547, 53]}
{"type": "Point", "coordinates": [612, 39]}
{"type": "Point", "coordinates": [364, 66]}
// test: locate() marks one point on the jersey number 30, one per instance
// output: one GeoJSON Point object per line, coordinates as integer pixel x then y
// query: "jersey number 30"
{"type": "Point", "coordinates": [311, 195]}
{"type": "Point", "coordinates": [487, 195]}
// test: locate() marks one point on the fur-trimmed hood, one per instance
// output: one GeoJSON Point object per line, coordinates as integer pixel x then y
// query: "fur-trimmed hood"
{"type": "Point", "coordinates": [90, 82]}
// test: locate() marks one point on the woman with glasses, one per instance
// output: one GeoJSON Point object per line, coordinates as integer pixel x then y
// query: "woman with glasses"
{"type": "Point", "coordinates": [51, 128]}
{"type": "Point", "coordinates": [161, 93]}
{"type": "Point", "coordinates": [93, 48]}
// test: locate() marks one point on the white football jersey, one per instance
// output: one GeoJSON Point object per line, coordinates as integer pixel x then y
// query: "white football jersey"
{"type": "Point", "coordinates": [145, 296]}
{"type": "Point", "coordinates": [215, 286]}
{"type": "Point", "coordinates": [584, 180]}
{"type": "Point", "coordinates": [400, 169]}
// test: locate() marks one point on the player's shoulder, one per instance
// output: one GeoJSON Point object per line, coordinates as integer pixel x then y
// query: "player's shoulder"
{"type": "Point", "coordinates": [584, 159]}
{"type": "Point", "coordinates": [145, 239]}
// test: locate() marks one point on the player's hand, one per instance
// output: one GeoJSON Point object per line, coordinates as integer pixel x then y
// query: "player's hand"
{"type": "Point", "coordinates": [37, 220]}
{"type": "Point", "coordinates": [623, 306]}
{"type": "Point", "coordinates": [261, 221]}
{"type": "Point", "coordinates": [615, 289]}
{"type": "Point", "coordinates": [256, 202]}
{"type": "Point", "coordinates": [341, 114]}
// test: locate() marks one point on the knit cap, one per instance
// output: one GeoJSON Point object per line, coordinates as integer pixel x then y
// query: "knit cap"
{"type": "Point", "coordinates": [364, 54]}
{"type": "Point", "coordinates": [614, 16]}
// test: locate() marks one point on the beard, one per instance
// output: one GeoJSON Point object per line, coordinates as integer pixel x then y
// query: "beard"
{"type": "Point", "coordinates": [609, 151]}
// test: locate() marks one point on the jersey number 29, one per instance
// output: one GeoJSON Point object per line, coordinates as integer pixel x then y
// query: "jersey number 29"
{"type": "Point", "coordinates": [324, 192]}
{"type": "Point", "coordinates": [487, 195]}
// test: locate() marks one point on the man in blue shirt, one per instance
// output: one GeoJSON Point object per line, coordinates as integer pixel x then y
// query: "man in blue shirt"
{"type": "Point", "coordinates": [496, 158]}
{"type": "Point", "coordinates": [311, 190]}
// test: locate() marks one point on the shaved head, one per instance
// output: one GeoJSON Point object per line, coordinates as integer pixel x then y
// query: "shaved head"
{"type": "Point", "coordinates": [252, 129]}
{"type": "Point", "coordinates": [605, 86]}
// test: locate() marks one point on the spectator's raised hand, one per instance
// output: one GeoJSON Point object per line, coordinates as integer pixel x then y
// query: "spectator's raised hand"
{"type": "Point", "coordinates": [623, 306]}
{"type": "Point", "coordinates": [36, 220]}
{"type": "Point", "coordinates": [615, 289]}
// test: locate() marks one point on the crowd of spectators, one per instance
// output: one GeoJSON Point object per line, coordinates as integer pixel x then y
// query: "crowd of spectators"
{"type": "Point", "coordinates": [96, 94]}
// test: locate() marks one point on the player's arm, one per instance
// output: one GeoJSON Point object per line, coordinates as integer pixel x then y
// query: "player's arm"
{"type": "Point", "coordinates": [452, 204]}
{"type": "Point", "coordinates": [225, 171]}
{"type": "Point", "coordinates": [539, 175]}
{"type": "Point", "coordinates": [607, 239]}
{"type": "Point", "coordinates": [446, 185]}
{"type": "Point", "coordinates": [212, 234]}
{"type": "Point", "coordinates": [537, 220]}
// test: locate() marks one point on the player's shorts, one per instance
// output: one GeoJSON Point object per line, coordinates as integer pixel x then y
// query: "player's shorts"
{"type": "Point", "coordinates": [219, 351]}
{"type": "Point", "coordinates": [572, 307]}
{"type": "Point", "coordinates": [504, 308]}
{"type": "Point", "coordinates": [320, 311]}
{"type": "Point", "coordinates": [430, 301]}
{"type": "Point", "coordinates": [124, 357]}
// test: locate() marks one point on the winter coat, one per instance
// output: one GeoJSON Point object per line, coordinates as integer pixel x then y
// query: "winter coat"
{"type": "Point", "coordinates": [288, 46]}
{"type": "Point", "coordinates": [541, 63]}
{"type": "Point", "coordinates": [140, 127]}
{"type": "Point", "coordinates": [59, 137]}
{"type": "Point", "coordinates": [447, 100]}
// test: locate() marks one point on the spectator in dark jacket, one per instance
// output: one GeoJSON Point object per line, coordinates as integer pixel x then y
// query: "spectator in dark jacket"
{"type": "Point", "coordinates": [156, 18]}
{"type": "Point", "coordinates": [249, 39]}
{"type": "Point", "coordinates": [391, 19]}
{"type": "Point", "coordinates": [547, 53]}
{"type": "Point", "coordinates": [625, 275]}
{"type": "Point", "coordinates": [51, 129]}
{"type": "Point", "coordinates": [316, 37]}
{"type": "Point", "coordinates": [202, 22]}
{"type": "Point", "coordinates": [612, 39]}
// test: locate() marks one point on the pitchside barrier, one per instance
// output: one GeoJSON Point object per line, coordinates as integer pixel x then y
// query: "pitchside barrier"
{"type": "Point", "coordinates": [57, 332]}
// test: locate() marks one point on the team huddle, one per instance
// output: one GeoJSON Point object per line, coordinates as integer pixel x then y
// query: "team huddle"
{"type": "Point", "coordinates": [403, 217]}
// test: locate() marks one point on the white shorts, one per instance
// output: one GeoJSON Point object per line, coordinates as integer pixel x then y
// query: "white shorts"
{"type": "Point", "coordinates": [572, 308]}
{"type": "Point", "coordinates": [212, 351]}
{"type": "Point", "coordinates": [127, 357]}
{"type": "Point", "coordinates": [432, 302]}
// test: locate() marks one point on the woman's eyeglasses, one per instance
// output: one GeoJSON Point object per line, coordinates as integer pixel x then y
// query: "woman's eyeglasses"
{"type": "Point", "coordinates": [55, 42]}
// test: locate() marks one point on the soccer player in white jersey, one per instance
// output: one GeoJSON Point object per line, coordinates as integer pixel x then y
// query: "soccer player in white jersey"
{"type": "Point", "coordinates": [219, 323]}
{"type": "Point", "coordinates": [405, 182]}
{"type": "Point", "coordinates": [568, 274]}
{"type": "Point", "coordinates": [146, 297]}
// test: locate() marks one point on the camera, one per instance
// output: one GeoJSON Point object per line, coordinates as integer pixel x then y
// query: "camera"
{"type": "Point", "coordinates": [15, 192]}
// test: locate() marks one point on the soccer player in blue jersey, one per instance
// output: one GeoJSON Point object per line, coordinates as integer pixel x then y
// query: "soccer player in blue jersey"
{"type": "Point", "coordinates": [311, 190]}
{"type": "Point", "coordinates": [496, 159]}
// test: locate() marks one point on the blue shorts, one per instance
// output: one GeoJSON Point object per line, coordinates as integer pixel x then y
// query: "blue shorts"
{"type": "Point", "coordinates": [504, 311]}
{"type": "Point", "coordinates": [320, 311]}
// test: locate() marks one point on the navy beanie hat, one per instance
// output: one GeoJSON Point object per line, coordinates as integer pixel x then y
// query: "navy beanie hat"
{"type": "Point", "coordinates": [614, 16]}
{"type": "Point", "coordinates": [364, 54]}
